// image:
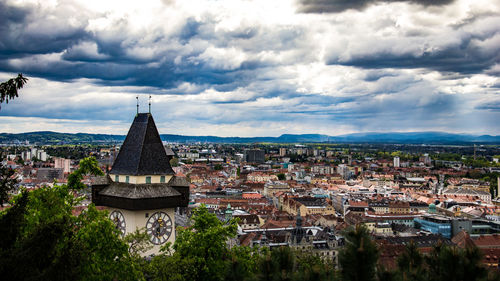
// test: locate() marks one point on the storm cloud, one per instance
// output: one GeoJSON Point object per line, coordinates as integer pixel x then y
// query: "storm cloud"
{"type": "Point", "coordinates": [336, 6]}
{"type": "Point", "coordinates": [253, 68]}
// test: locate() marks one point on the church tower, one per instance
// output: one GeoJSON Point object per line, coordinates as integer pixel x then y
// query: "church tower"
{"type": "Point", "coordinates": [141, 190]}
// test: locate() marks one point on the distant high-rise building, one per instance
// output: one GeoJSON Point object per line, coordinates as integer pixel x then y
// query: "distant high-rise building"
{"type": "Point", "coordinates": [396, 162]}
{"type": "Point", "coordinates": [41, 155]}
{"type": "Point", "coordinates": [498, 186]}
{"type": "Point", "coordinates": [282, 151]}
{"type": "Point", "coordinates": [62, 163]}
{"type": "Point", "coordinates": [33, 152]}
{"type": "Point", "coordinates": [26, 155]}
{"type": "Point", "coordinates": [344, 171]}
{"type": "Point", "coordinates": [255, 156]}
{"type": "Point", "coordinates": [426, 159]}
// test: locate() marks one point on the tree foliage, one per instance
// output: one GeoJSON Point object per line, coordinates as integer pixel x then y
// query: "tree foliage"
{"type": "Point", "coordinates": [106, 255]}
{"type": "Point", "coordinates": [452, 263]}
{"type": "Point", "coordinates": [174, 162]}
{"type": "Point", "coordinates": [138, 242]}
{"type": "Point", "coordinates": [410, 263]}
{"type": "Point", "coordinates": [203, 245]}
{"type": "Point", "coordinates": [283, 263]}
{"type": "Point", "coordinates": [44, 240]}
{"type": "Point", "coordinates": [443, 263]}
{"type": "Point", "coordinates": [9, 89]}
{"type": "Point", "coordinates": [244, 262]}
{"type": "Point", "coordinates": [359, 256]}
{"type": "Point", "coordinates": [8, 181]}
{"type": "Point", "coordinates": [88, 165]}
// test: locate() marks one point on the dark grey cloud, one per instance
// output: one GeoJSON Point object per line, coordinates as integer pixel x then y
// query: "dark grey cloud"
{"type": "Point", "coordinates": [24, 33]}
{"type": "Point", "coordinates": [115, 57]}
{"type": "Point", "coordinates": [336, 6]}
{"type": "Point", "coordinates": [12, 14]}
{"type": "Point", "coordinates": [491, 106]}
{"type": "Point", "coordinates": [468, 57]}
{"type": "Point", "coordinates": [373, 76]}
{"type": "Point", "coordinates": [190, 29]}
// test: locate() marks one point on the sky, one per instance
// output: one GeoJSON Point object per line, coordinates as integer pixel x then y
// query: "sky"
{"type": "Point", "coordinates": [253, 68]}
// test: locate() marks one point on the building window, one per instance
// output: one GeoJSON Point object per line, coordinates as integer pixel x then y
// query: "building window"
{"type": "Point", "coordinates": [117, 178]}
{"type": "Point", "coordinates": [127, 178]}
{"type": "Point", "coordinates": [148, 179]}
{"type": "Point", "coordinates": [162, 179]}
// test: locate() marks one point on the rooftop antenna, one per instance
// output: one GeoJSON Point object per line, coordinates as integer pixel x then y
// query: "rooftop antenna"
{"type": "Point", "coordinates": [149, 104]}
{"type": "Point", "coordinates": [137, 98]}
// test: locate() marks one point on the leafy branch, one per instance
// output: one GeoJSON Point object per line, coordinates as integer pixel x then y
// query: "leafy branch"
{"type": "Point", "coordinates": [8, 89]}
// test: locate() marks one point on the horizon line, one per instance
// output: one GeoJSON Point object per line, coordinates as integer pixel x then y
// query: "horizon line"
{"type": "Point", "coordinates": [295, 134]}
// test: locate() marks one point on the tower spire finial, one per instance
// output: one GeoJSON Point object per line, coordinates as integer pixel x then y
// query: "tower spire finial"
{"type": "Point", "coordinates": [137, 98]}
{"type": "Point", "coordinates": [149, 104]}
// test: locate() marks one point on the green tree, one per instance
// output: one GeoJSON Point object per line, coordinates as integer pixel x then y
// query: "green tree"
{"type": "Point", "coordinates": [169, 267]}
{"type": "Point", "coordinates": [8, 181]}
{"type": "Point", "coordinates": [283, 263]}
{"type": "Point", "coordinates": [312, 268]}
{"type": "Point", "coordinates": [11, 223]}
{"type": "Point", "coordinates": [138, 242]}
{"type": "Point", "coordinates": [174, 162]}
{"type": "Point", "coordinates": [53, 244]}
{"type": "Point", "coordinates": [244, 263]}
{"type": "Point", "coordinates": [9, 89]}
{"type": "Point", "coordinates": [106, 256]}
{"type": "Point", "coordinates": [50, 252]}
{"type": "Point", "coordinates": [204, 244]}
{"type": "Point", "coordinates": [200, 253]}
{"type": "Point", "coordinates": [359, 256]}
{"type": "Point", "coordinates": [452, 263]}
{"type": "Point", "coordinates": [281, 177]}
{"type": "Point", "coordinates": [88, 165]}
{"type": "Point", "coordinates": [44, 240]}
{"type": "Point", "coordinates": [410, 263]}
{"type": "Point", "coordinates": [277, 265]}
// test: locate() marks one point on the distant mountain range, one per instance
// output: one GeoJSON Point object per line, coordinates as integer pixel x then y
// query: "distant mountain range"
{"type": "Point", "coordinates": [409, 138]}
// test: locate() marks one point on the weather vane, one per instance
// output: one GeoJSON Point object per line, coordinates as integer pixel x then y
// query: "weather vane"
{"type": "Point", "coordinates": [137, 98]}
{"type": "Point", "coordinates": [149, 104]}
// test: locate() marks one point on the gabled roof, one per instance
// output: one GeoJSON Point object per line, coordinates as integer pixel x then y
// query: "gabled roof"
{"type": "Point", "coordinates": [142, 152]}
{"type": "Point", "coordinates": [463, 240]}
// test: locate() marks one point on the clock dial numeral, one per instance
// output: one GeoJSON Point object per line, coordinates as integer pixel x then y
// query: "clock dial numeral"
{"type": "Point", "coordinates": [159, 228]}
{"type": "Point", "coordinates": [119, 220]}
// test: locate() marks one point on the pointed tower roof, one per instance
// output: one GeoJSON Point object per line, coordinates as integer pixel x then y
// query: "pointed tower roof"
{"type": "Point", "coordinates": [142, 152]}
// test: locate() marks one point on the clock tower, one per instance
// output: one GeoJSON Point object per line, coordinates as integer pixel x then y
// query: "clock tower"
{"type": "Point", "coordinates": [141, 190]}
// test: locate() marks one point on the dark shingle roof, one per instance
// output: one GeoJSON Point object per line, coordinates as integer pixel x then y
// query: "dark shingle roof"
{"type": "Point", "coordinates": [142, 152]}
{"type": "Point", "coordinates": [178, 181]}
{"type": "Point", "coordinates": [100, 180]}
{"type": "Point", "coordinates": [139, 191]}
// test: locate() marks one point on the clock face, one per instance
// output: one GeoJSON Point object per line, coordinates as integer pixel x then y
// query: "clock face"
{"type": "Point", "coordinates": [119, 220]}
{"type": "Point", "coordinates": [159, 227]}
